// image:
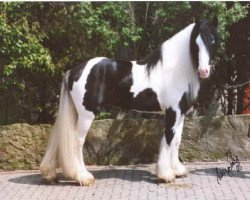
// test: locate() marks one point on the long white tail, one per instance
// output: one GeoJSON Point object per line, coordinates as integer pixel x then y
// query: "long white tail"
{"type": "Point", "coordinates": [63, 139]}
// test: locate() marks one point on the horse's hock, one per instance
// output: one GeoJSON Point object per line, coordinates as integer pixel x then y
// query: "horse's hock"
{"type": "Point", "coordinates": [131, 141]}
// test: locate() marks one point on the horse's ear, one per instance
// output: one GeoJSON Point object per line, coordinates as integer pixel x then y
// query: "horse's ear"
{"type": "Point", "coordinates": [215, 21]}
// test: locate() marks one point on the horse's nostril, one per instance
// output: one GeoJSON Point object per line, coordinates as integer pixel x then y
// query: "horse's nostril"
{"type": "Point", "coordinates": [203, 71]}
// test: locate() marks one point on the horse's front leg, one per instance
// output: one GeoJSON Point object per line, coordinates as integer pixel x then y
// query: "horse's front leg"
{"type": "Point", "coordinates": [164, 165]}
{"type": "Point", "coordinates": [179, 169]}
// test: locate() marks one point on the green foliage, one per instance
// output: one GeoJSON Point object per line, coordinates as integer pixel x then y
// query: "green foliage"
{"type": "Point", "coordinates": [21, 48]}
{"type": "Point", "coordinates": [24, 60]}
{"type": "Point", "coordinates": [103, 115]}
{"type": "Point", "coordinates": [76, 31]}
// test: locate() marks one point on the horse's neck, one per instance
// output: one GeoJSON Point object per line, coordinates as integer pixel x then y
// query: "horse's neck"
{"type": "Point", "coordinates": [176, 64]}
{"type": "Point", "coordinates": [176, 55]}
{"type": "Point", "coordinates": [176, 50]}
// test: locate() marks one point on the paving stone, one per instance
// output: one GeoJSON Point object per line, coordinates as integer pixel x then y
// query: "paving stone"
{"type": "Point", "coordinates": [130, 182]}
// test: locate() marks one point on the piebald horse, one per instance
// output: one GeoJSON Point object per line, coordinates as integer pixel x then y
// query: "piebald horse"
{"type": "Point", "coordinates": [166, 80]}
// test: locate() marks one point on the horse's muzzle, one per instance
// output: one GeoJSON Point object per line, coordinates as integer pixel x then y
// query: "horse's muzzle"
{"type": "Point", "coordinates": [203, 72]}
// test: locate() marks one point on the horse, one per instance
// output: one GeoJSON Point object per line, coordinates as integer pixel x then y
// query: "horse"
{"type": "Point", "coordinates": [168, 80]}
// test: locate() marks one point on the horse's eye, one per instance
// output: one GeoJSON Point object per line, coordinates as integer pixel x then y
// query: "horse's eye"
{"type": "Point", "coordinates": [212, 38]}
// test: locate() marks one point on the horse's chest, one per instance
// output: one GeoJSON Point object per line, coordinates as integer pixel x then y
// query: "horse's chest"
{"type": "Point", "coordinates": [158, 87]}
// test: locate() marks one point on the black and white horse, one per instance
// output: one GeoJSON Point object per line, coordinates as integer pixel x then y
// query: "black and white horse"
{"type": "Point", "coordinates": [167, 80]}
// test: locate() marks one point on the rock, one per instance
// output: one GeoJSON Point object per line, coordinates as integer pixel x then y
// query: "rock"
{"type": "Point", "coordinates": [22, 146]}
{"type": "Point", "coordinates": [123, 141]}
{"type": "Point", "coordinates": [209, 138]}
{"type": "Point", "coordinates": [130, 141]}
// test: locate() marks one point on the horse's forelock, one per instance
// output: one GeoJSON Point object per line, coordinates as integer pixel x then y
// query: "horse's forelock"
{"type": "Point", "coordinates": [209, 35]}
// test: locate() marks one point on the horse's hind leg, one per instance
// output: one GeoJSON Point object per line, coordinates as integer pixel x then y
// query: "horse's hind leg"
{"type": "Point", "coordinates": [84, 122]}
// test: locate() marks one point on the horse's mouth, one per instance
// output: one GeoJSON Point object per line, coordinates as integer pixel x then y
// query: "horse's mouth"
{"type": "Point", "coordinates": [203, 76]}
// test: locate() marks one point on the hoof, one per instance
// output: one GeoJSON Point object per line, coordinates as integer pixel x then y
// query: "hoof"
{"type": "Point", "coordinates": [181, 176]}
{"type": "Point", "coordinates": [166, 176]}
{"type": "Point", "coordinates": [181, 171]}
{"type": "Point", "coordinates": [49, 173]}
{"type": "Point", "coordinates": [166, 179]}
{"type": "Point", "coordinates": [87, 179]}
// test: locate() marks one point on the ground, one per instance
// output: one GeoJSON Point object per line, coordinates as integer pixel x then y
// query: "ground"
{"type": "Point", "coordinates": [131, 182]}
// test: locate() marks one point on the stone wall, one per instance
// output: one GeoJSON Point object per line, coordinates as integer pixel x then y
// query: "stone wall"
{"type": "Point", "coordinates": [131, 141]}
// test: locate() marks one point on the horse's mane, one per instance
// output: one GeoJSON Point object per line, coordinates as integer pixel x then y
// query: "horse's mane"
{"type": "Point", "coordinates": [151, 59]}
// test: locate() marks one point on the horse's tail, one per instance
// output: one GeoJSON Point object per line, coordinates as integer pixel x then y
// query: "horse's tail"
{"type": "Point", "coordinates": [63, 138]}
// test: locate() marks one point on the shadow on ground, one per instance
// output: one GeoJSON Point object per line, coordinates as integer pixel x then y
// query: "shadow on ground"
{"type": "Point", "coordinates": [132, 175]}
{"type": "Point", "coordinates": [212, 172]}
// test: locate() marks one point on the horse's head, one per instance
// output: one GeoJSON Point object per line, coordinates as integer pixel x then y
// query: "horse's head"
{"type": "Point", "coordinates": [204, 41]}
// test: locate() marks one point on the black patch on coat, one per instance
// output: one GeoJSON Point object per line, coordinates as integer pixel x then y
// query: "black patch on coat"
{"type": "Point", "coordinates": [75, 74]}
{"type": "Point", "coordinates": [187, 100]}
{"type": "Point", "coordinates": [170, 118]}
{"type": "Point", "coordinates": [108, 84]}
{"type": "Point", "coordinates": [183, 104]}
{"type": "Point", "coordinates": [151, 59]}
{"type": "Point", "coordinates": [146, 100]}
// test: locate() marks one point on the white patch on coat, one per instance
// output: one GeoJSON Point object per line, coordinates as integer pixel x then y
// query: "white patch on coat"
{"type": "Point", "coordinates": [203, 54]}
{"type": "Point", "coordinates": [170, 78]}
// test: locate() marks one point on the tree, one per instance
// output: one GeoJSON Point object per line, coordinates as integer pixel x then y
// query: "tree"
{"type": "Point", "coordinates": [24, 62]}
